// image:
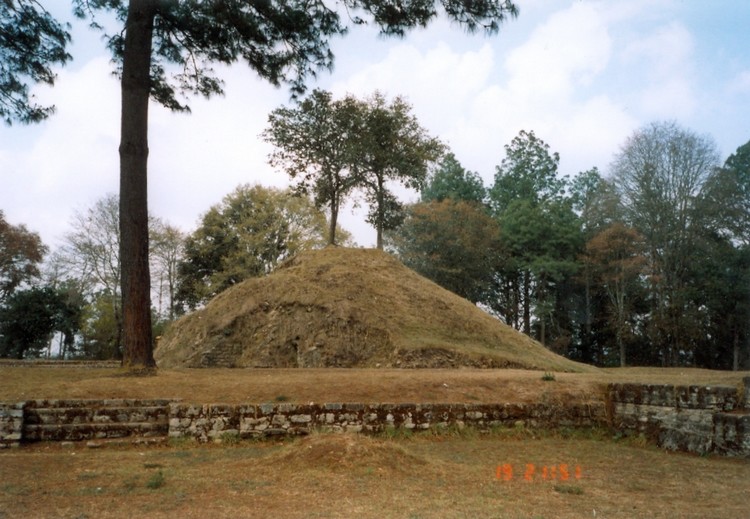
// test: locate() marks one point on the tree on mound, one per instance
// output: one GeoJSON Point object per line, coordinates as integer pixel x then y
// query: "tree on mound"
{"type": "Point", "coordinates": [339, 307]}
{"type": "Point", "coordinates": [333, 147]}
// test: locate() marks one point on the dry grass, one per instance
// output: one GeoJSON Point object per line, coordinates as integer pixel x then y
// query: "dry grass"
{"type": "Point", "coordinates": [338, 385]}
{"type": "Point", "coordinates": [357, 476]}
{"type": "Point", "coordinates": [341, 307]}
{"type": "Point", "coordinates": [424, 476]}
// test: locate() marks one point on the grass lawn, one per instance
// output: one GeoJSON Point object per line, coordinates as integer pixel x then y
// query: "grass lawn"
{"type": "Point", "coordinates": [339, 385]}
{"type": "Point", "coordinates": [506, 473]}
{"type": "Point", "coordinates": [358, 476]}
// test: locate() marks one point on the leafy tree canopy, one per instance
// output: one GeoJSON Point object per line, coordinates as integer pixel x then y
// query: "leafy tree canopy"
{"type": "Point", "coordinates": [335, 146]}
{"type": "Point", "coordinates": [455, 243]}
{"type": "Point", "coordinates": [250, 232]}
{"type": "Point", "coordinates": [29, 318]}
{"type": "Point", "coordinates": [31, 42]}
{"type": "Point", "coordinates": [283, 42]}
{"type": "Point", "coordinates": [528, 172]}
{"type": "Point", "coordinates": [450, 180]}
{"type": "Point", "coordinates": [728, 196]}
{"type": "Point", "coordinates": [313, 145]}
{"type": "Point", "coordinates": [392, 147]}
{"type": "Point", "coordinates": [595, 200]}
{"type": "Point", "coordinates": [21, 252]}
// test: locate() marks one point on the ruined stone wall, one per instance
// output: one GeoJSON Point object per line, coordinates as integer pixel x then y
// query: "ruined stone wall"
{"type": "Point", "coordinates": [76, 420]}
{"type": "Point", "coordinates": [58, 363]}
{"type": "Point", "coordinates": [697, 419]}
{"type": "Point", "coordinates": [11, 424]}
{"type": "Point", "coordinates": [688, 418]}
{"type": "Point", "coordinates": [213, 422]}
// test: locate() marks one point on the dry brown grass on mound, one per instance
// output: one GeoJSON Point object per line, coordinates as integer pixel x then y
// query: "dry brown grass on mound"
{"type": "Point", "coordinates": [341, 307]}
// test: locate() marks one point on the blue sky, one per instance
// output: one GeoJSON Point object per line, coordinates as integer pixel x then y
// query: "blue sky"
{"type": "Point", "coordinates": [583, 75]}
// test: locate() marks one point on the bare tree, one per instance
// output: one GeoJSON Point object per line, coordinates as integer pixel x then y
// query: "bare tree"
{"type": "Point", "coordinates": [661, 175]}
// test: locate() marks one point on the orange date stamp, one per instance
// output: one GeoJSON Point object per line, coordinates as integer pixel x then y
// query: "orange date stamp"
{"type": "Point", "coordinates": [531, 472]}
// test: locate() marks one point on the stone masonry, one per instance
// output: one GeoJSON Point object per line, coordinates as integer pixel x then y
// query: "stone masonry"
{"type": "Point", "coordinates": [688, 418]}
{"type": "Point", "coordinates": [213, 422]}
{"type": "Point", "coordinates": [697, 419]}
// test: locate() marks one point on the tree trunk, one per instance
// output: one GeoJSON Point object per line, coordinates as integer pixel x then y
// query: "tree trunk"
{"type": "Point", "coordinates": [586, 355]}
{"type": "Point", "coordinates": [621, 348]}
{"type": "Point", "coordinates": [527, 303]}
{"type": "Point", "coordinates": [736, 351]}
{"type": "Point", "coordinates": [137, 343]}
{"type": "Point", "coordinates": [381, 213]}
{"type": "Point", "coordinates": [334, 220]}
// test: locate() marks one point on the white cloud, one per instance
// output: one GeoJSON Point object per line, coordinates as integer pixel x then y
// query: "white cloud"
{"type": "Point", "coordinates": [196, 159]}
{"type": "Point", "coordinates": [565, 52]}
{"type": "Point", "coordinates": [664, 59]}
{"type": "Point", "coordinates": [70, 160]}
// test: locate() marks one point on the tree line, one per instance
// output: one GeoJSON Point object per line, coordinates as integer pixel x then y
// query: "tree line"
{"type": "Point", "coordinates": [652, 259]}
{"type": "Point", "coordinates": [68, 302]}
{"type": "Point", "coordinates": [645, 266]}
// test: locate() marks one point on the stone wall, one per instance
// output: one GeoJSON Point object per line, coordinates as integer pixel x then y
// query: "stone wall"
{"type": "Point", "coordinates": [697, 419]}
{"type": "Point", "coordinates": [76, 420]}
{"type": "Point", "coordinates": [688, 418]}
{"type": "Point", "coordinates": [212, 422]}
{"type": "Point", "coordinates": [59, 363]}
{"type": "Point", "coordinates": [11, 424]}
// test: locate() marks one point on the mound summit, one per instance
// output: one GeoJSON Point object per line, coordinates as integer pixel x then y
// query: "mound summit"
{"type": "Point", "coordinates": [341, 307]}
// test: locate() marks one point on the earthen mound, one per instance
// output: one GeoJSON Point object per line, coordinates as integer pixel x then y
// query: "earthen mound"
{"type": "Point", "coordinates": [348, 452]}
{"type": "Point", "coordinates": [341, 307]}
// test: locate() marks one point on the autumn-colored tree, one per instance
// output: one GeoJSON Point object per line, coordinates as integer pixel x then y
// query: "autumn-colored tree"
{"type": "Point", "coordinates": [662, 175]}
{"type": "Point", "coordinates": [21, 252]}
{"type": "Point", "coordinates": [616, 256]}
{"type": "Point", "coordinates": [597, 205]}
{"type": "Point", "coordinates": [454, 243]}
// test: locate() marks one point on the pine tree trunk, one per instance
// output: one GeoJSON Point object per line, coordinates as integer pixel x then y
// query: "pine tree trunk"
{"type": "Point", "coordinates": [135, 277]}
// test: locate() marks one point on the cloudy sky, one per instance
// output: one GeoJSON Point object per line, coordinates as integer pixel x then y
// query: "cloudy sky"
{"type": "Point", "coordinates": [583, 75]}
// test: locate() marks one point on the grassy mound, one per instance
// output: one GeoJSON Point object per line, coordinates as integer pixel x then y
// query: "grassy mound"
{"type": "Point", "coordinates": [341, 307]}
{"type": "Point", "coordinates": [349, 453]}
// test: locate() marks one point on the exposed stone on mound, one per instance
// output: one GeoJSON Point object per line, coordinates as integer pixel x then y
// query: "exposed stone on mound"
{"type": "Point", "coordinates": [340, 307]}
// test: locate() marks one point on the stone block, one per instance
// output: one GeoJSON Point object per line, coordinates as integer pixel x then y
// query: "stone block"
{"type": "Point", "coordinates": [731, 434]}
{"type": "Point", "coordinates": [720, 398]}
